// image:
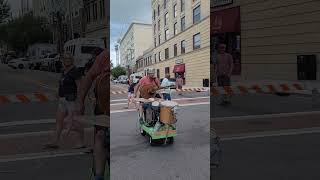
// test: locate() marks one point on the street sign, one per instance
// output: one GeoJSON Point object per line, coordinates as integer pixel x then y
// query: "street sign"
{"type": "Point", "coordinates": [179, 61]}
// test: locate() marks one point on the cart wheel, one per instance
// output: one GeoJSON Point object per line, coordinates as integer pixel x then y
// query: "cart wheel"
{"type": "Point", "coordinates": [170, 140]}
{"type": "Point", "coordinates": [152, 142]}
{"type": "Point", "coordinates": [142, 132]}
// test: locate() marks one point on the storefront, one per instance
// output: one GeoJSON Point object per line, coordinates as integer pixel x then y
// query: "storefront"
{"type": "Point", "coordinates": [269, 40]}
{"type": "Point", "coordinates": [179, 69]}
{"type": "Point", "coordinates": [225, 28]}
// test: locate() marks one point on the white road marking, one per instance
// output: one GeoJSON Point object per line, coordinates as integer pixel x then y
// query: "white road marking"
{"type": "Point", "coordinates": [200, 97]}
{"type": "Point", "coordinates": [290, 132]}
{"type": "Point", "coordinates": [182, 105]}
{"type": "Point", "coordinates": [30, 134]}
{"type": "Point", "coordinates": [27, 122]}
{"type": "Point", "coordinates": [43, 155]}
{"type": "Point", "coordinates": [266, 116]}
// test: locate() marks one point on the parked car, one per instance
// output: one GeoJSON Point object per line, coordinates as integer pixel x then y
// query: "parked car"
{"type": "Point", "coordinates": [20, 63]}
{"type": "Point", "coordinates": [47, 62]}
{"type": "Point", "coordinates": [9, 58]}
{"type": "Point", "coordinates": [56, 64]}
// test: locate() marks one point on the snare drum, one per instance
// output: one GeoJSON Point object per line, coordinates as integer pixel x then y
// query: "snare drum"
{"type": "Point", "coordinates": [167, 115]}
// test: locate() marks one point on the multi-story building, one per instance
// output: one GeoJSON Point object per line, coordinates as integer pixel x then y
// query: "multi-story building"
{"type": "Point", "coordinates": [97, 19]}
{"type": "Point", "coordinates": [20, 7]}
{"type": "Point", "coordinates": [181, 40]}
{"type": "Point", "coordinates": [270, 40]}
{"type": "Point", "coordinates": [136, 40]}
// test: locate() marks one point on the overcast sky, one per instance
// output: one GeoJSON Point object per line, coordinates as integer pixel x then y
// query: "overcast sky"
{"type": "Point", "coordinates": [122, 13]}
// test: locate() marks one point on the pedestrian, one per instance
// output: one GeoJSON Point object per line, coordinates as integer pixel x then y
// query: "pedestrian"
{"type": "Point", "coordinates": [69, 85]}
{"type": "Point", "coordinates": [100, 74]}
{"type": "Point", "coordinates": [132, 84]}
{"type": "Point", "coordinates": [166, 84]}
{"type": "Point", "coordinates": [179, 83]}
{"type": "Point", "coordinates": [223, 70]}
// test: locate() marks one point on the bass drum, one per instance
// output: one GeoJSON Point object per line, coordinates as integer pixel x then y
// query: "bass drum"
{"type": "Point", "coordinates": [167, 112]}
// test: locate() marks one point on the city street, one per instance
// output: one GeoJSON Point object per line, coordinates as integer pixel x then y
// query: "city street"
{"type": "Point", "coordinates": [132, 157]}
{"type": "Point", "coordinates": [26, 127]}
{"type": "Point", "coordinates": [267, 137]}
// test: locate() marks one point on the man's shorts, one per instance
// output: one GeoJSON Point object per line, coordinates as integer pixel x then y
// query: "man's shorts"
{"type": "Point", "coordinates": [224, 80]}
{"type": "Point", "coordinates": [101, 128]}
{"type": "Point", "coordinates": [66, 106]}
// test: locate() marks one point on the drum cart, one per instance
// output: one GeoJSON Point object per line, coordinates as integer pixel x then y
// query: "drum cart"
{"type": "Point", "coordinates": [158, 120]}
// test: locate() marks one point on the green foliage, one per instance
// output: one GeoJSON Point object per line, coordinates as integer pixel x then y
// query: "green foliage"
{"type": "Point", "coordinates": [4, 10]}
{"type": "Point", "coordinates": [24, 31]}
{"type": "Point", "coordinates": [118, 71]}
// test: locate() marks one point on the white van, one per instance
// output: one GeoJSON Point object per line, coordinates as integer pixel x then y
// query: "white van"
{"type": "Point", "coordinates": [82, 48]}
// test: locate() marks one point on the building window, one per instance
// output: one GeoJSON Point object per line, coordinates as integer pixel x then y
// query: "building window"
{"type": "Point", "coordinates": [183, 23]}
{"type": "Point", "coordinates": [159, 56]}
{"type": "Point", "coordinates": [183, 47]}
{"type": "Point", "coordinates": [182, 5]}
{"type": "Point", "coordinates": [155, 58]}
{"type": "Point", "coordinates": [101, 9]}
{"type": "Point", "coordinates": [165, 4]}
{"type": "Point", "coordinates": [159, 39]}
{"type": "Point", "coordinates": [166, 34]}
{"type": "Point", "coordinates": [167, 70]}
{"type": "Point", "coordinates": [159, 25]}
{"type": "Point", "coordinates": [175, 11]}
{"type": "Point", "coordinates": [95, 11]}
{"type": "Point", "coordinates": [158, 73]}
{"type": "Point", "coordinates": [196, 15]}
{"type": "Point", "coordinates": [175, 29]}
{"type": "Point", "coordinates": [166, 19]}
{"type": "Point", "coordinates": [88, 14]}
{"type": "Point", "coordinates": [155, 42]}
{"type": "Point", "coordinates": [154, 14]}
{"type": "Point", "coordinates": [196, 41]}
{"type": "Point", "coordinates": [175, 50]}
{"type": "Point", "coordinates": [166, 53]}
{"type": "Point", "coordinates": [158, 10]}
{"type": "Point", "coordinates": [154, 29]}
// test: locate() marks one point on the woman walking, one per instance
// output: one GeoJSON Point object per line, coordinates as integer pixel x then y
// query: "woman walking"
{"type": "Point", "coordinates": [179, 83]}
{"type": "Point", "coordinates": [69, 85]}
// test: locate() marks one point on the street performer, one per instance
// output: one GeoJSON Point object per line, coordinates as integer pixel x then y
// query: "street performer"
{"type": "Point", "coordinates": [146, 87]}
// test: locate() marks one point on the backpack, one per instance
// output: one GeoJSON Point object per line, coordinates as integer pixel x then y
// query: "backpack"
{"type": "Point", "coordinates": [102, 93]}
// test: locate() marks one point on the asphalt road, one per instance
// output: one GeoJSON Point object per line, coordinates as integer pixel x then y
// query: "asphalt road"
{"type": "Point", "coordinates": [292, 157]}
{"type": "Point", "coordinates": [258, 104]}
{"type": "Point", "coordinates": [251, 155]}
{"type": "Point", "coordinates": [187, 159]}
{"type": "Point", "coordinates": [24, 129]}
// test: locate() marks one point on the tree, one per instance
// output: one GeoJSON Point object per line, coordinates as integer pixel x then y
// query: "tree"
{"type": "Point", "coordinates": [4, 10]}
{"type": "Point", "coordinates": [25, 31]}
{"type": "Point", "coordinates": [118, 71]}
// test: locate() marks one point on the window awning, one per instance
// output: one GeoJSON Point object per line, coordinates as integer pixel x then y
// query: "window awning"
{"type": "Point", "coordinates": [179, 68]}
{"type": "Point", "coordinates": [227, 20]}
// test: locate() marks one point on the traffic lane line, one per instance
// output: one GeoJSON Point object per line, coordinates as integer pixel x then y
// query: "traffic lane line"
{"type": "Point", "coordinates": [183, 105]}
{"type": "Point", "coordinates": [178, 99]}
{"type": "Point", "coordinates": [291, 132]}
{"type": "Point", "coordinates": [43, 155]}
{"type": "Point", "coordinates": [265, 124]}
{"type": "Point", "coordinates": [26, 143]}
